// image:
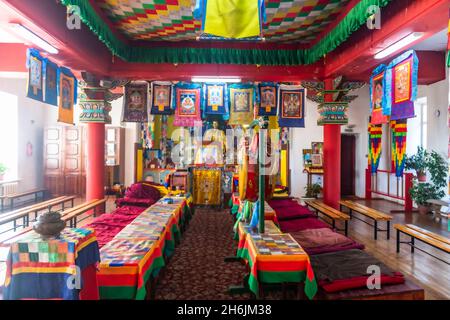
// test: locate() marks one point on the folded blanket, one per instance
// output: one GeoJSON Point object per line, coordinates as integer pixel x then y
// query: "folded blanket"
{"type": "Point", "coordinates": [301, 224]}
{"type": "Point", "coordinates": [349, 269]}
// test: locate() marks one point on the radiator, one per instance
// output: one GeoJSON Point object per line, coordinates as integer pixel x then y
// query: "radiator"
{"type": "Point", "coordinates": [10, 188]}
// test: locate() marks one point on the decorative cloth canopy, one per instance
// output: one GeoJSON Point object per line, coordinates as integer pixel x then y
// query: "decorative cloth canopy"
{"type": "Point", "coordinates": [291, 106]}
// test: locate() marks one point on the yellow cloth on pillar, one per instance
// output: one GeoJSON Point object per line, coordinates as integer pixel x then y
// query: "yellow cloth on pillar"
{"type": "Point", "coordinates": [232, 18]}
{"type": "Point", "coordinates": [243, 171]}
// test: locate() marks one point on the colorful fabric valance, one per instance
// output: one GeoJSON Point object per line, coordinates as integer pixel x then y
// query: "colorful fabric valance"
{"type": "Point", "coordinates": [401, 86]}
{"type": "Point", "coordinates": [215, 100]}
{"type": "Point", "coordinates": [187, 98]}
{"type": "Point", "coordinates": [161, 100]}
{"type": "Point", "coordinates": [67, 95]}
{"type": "Point", "coordinates": [135, 102]}
{"type": "Point", "coordinates": [378, 96]}
{"type": "Point", "coordinates": [375, 134]}
{"type": "Point", "coordinates": [241, 99]}
{"type": "Point", "coordinates": [35, 75]}
{"type": "Point", "coordinates": [399, 146]}
{"type": "Point", "coordinates": [267, 98]}
{"type": "Point", "coordinates": [291, 106]}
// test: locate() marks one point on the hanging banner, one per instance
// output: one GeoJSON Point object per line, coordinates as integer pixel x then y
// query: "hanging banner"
{"type": "Point", "coordinates": [241, 99]}
{"type": "Point", "coordinates": [377, 96]}
{"type": "Point", "coordinates": [187, 104]}
{"type": "Point", "coordinates": [291, 106]}
{"type": "Point", "coordinates": [51, 82]}
{"type": "Point", "coordinates": [268, 97]}
{"type": "Point", "coordinates": [135, 102]}
{"type": "Point", "coordinates": [400, 130]}
{"type": "Point", "coordinates": [230, 19]}
{"type": "Point", "coordinates": [215, 101]}
{"type": "Point", "coordinates": [375, 134]}
{"type": "Point", "coordinates": [401, 86]}
{"type": "Point", "coordinates": [67, 95]}
{"type": "Point", "coordinates": [35, 75]}
{"type": "Point", "coordinates": [161, 101]}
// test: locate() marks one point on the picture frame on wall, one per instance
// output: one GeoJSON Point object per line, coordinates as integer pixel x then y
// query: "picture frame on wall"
{"type": "Point", "coordinates": [317, 148]}
{"type": "Point", "coordinates": [307, 155]}
{"type": "Point", "coordinates": [316, 159]}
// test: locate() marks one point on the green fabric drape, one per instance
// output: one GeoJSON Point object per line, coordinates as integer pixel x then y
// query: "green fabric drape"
{"type": "Point", "coordinates": [351, 22]}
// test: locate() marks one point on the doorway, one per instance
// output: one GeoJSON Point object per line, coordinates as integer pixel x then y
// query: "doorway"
{"type": "Point", "coordinates": [348, 145]}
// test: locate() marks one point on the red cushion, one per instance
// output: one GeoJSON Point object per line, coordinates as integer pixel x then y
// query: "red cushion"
{"type": "Point", "coordinates": [293, 212]}
{"type": "Point", "coordinates": [359, 282]}
{"type": "Point", "coordinates": [302, 224]}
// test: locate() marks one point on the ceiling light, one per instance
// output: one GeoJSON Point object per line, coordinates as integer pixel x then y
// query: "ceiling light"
{"type": "Point", "coordinates": [33, 38]}
{"type": "Point", "coordinates": [399, 45]}
{"type": "Point", "coordinates": [216, 79]}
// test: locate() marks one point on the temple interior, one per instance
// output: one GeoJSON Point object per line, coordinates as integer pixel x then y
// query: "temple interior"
{"type": "Point", "coordinates": [224, 150]}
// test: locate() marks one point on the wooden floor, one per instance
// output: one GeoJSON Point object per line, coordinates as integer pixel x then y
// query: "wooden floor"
{"type": "Point", "coordinates": [424, 270]}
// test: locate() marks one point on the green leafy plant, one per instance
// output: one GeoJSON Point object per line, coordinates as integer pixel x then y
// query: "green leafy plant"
{"type": "Point", "coordinates": [3, 168]}
{"type": "Point", "coordinates": [418, 161]}
{"type": "Point", "coordinates": [436, 165]}
{"type": "Point", "coordinates": [313, 191]}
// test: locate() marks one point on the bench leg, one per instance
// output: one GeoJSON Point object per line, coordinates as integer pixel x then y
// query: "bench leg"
{"type": "Point", "coordinates": [398, 241]}
{"type": "Point", "coordinates": [2, 204]}
{"type": "Point", "coordinates": [11, 205]}
{"type": "Point", "coordinates": [388, 230]}
{"type": "Point", "coordinates": [346, 227]}
{"type": "Point", "coordinates": [350, 213]}
{"type": "Point", "coordinates": [334, 224]}
{"type": "Point", "coordinates": [412, 244]}
{"type": "Point", "coordinates": [15, 225]}
{"type": "Point", "coordinates": [36, 197]}
{"type": "Point", "coordinates": [62, 206]}
{"type": "Point", "coordinates": [375, 229]}
{"type": "Point", "coordinates": [71, 202]}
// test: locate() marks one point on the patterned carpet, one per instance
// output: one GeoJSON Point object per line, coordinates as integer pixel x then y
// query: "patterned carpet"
{"type": "Point", "coordinates": [197, 270]}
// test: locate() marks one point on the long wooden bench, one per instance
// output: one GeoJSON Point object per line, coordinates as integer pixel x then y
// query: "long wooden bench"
{"type": "Point", "coordinates": [24, 213]}
{"type": "Point", "coordinates": [375, 215]}
{"type": "Point", "coordinates": [12, 197]}
{"type": "Point", "coordinates": [69, 215]}
{"type": "Point", "coordinates": [435, 240]}
{"type": "Point", "coordinates": [330, 212]}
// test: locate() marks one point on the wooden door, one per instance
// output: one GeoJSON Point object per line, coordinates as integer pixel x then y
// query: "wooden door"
{"type": "Point", "coordinates": [53, 160]}
{"type": "Point", "coordinates": [348, 144]}
{"type": "Point", "coordinates": [73, 160]}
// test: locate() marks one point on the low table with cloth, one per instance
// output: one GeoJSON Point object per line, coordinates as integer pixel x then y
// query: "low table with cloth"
{"type": "Point", "coordinates": [43, 269]}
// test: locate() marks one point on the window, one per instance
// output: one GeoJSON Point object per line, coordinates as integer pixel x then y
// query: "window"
{"type": "Point", "coordinates": [418, 127]}
{"type": "Point", "coordinates": [9, 134]}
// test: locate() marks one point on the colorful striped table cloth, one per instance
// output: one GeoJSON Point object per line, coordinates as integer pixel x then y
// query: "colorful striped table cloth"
{"type": "Point", "coordinates": [52, 269]}
{"type": "Point", "coordinates": [277, 258]}
{"type": "Point", "coordinates": [244, 229]}
{"type": "Point", "coordinates": [137, 252]}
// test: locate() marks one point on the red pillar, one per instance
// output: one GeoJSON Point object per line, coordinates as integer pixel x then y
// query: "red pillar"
{"type": "Point", "coordinates": [95, 173]}
{"type": "Point", "coordinates": [332, 157]}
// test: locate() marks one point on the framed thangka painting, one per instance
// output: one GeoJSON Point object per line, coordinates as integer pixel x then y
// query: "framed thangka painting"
{"type": "Point", "coordinates": [187, 105]}
{"type": "Point", "coordinates": [135, 102]}
{"type": "Point", "coordinates": [35, 75]}
{"type": "Point", "coordinates": [215, 102]}
{"type": "Point", "coordinates": [161, 98]}
{"type": "Point", "coordinates": [401, 86]}
{"type": "Point", "coordinates": [267, 99]}
{"type": "Point", "coordinates": [377, 96]}
{"type": "Point", "coordinates": [66, 97]}
{"type": "Point", "coordinates": [291, 104]}
{"type": "Point", "coordinates": [241, 98]}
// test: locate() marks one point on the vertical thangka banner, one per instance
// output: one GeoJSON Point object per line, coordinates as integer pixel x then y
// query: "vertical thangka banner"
{"type": "Point", "coordinates": [35, 75]}
{"type": "Point", "coordinates": [291, 106]}
{"type": "Point", "coordinates": [375, 134]}
{"type": "Point", "coordinates": [51, 82]}
{"type": "Point", "coordinates": [241, 97]}
{"type": "Point", "coordinates": [161, 101]}
{"type": "Point", "coordinates": [135, 102]}
{"type": "Point", "coordinates": [67, 95]}
{"type": "Point", "coordinates": [377, 96]}
{"type": "Point", "coordinates": [215, 100]}
{"type": "Point", "coordinates": [267, 97]}
{"type": "Point", "coordinates": [187, 104]}
{"type": "Point", "coordinates": [399, 128]}
{"type": "Point", "coordinates": [401, 86]}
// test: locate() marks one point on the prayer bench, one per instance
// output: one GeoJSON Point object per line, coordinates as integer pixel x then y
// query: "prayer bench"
{"type": "Point", "coordinates": [330, 212]}
{"type": "Point", "coordinates": [437, 241]}
{"type": "Point", "coordinates": [12, 197]}
{"type": "Point", "coordinates": [375, 215]}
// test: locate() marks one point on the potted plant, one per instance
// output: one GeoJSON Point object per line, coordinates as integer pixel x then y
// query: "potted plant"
{"type": "Point", "coordinates": [418, 162]}
{"type": "Point", "coordinates": [421, 192]}
{"type": "Point", "coordinates": [3, 169]}
{"type": "Point", "coordinates": [313, 191]}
